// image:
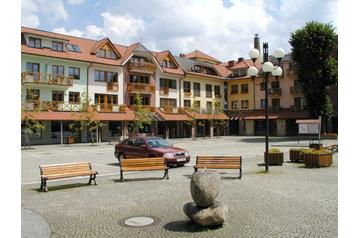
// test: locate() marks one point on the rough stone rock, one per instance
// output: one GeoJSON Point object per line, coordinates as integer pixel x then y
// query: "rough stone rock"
{"type": "Point", "coordinates": [214, 215]}
{"type": "Point", "coordinates": [204, 187]}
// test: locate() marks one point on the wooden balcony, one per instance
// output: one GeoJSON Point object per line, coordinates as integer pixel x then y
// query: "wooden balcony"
{"type": "Point", "coordinates": [168, 109]}
{"type": "Point", "coordinates": [296, 91]}
{"type": "Point", "coordinates": [141, 67]}
{"type": "Point", "coordinates": [164, 91]}
{"type": "Point", "coordinates": [113, 86]}
{"type": "Point", "coordinates": [148, 107]}
{"type": "Point", "coordinates": [141, 87]}
{"type": "Point", "coordinates": [275, 91]}
{"type": "Point", "coordinates": [47, 79]}
{"type": "Point", "coordinates": [107, 107]}
{"type": "Point", "coordinates": [51, 106]}
{"type": "Point", "coordinates": [187, 94]}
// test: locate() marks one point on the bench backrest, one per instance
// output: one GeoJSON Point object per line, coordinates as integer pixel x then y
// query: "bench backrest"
{"type": "Point", "coordinates": [143, 162]}
{"type": "Point", "coordinates": [218, 160]}
{"type": "Point", "coordinates": [65, 168]}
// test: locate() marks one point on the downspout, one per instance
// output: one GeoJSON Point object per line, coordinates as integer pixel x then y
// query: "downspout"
{"type": "Point", "coordinates": [180, 80]}
{"type": "Point", "coordinates": [87, 83]}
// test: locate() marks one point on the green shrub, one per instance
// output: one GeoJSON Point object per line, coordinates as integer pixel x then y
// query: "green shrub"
{"type": "Point", "coordinates": [297, 149]}
{"type": "Point", "coordinates": [318, 152]}
{"type": "Point", "coordinates": [307, 150]}
{"type": "Point", "coordinates": [274, 150]}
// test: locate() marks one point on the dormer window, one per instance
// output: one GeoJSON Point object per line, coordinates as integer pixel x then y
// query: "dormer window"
{"type": "Point", "coordinates": [73, 48]}
{"type": "Point", "coordinates": [168, 64]}
{"type": "Point", "coordinates": [240, 73]}
{"type": "Point", "coordinates": [138, 59]}
{"type": "Point", "coordinates": [34, 42]}
{"type": "Point", "coordinates": [196, 68]}
{"type": "Point", "coordinates": [57, 46]}
{"type": "Point", "coordinates": [111, 54]}
{"type": "Point", "coordinates": [101, 53]}
{"type": "Point", "coordinates": [210, 71]}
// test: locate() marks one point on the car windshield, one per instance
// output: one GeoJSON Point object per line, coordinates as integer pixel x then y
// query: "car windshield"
{"type": "Point", "coordinates": [155, 143]}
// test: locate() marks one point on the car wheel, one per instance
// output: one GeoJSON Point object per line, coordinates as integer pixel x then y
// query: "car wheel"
{"type": "Point", "coordinates": [120, 158]}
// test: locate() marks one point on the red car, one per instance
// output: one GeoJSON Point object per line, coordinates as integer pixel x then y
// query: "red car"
{"type": "Point", "coordinates": [144, 147]}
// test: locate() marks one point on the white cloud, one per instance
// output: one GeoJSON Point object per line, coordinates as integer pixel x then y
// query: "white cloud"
{"type": "Point", "coordinates": [29, 12]}
{"type": "Point", "coordinates": [94, 32]}
{"type": "Point", "coordinates": [75, 2]}
{"type": "Point", "coordinates": [30, 21]}
{"type": "Point", "coordinates": [53, 10]}
{"type": "Point", "coordinates": [74, 32]}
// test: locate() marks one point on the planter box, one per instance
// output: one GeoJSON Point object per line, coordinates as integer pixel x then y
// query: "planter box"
{"type": "Point", "coordinates": [70, 140]}
{"type": "Point", "coordinates": [275, 158]}
{"type": "Point", "coordinates": [296, 156]}
{"type": "Point", "coordinates": [318, 160]}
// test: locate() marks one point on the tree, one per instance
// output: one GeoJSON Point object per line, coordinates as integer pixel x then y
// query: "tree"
{"type": "Point", "coordinates": [141, 114]}
{"type": "Point", "coordinates": [30, 125]}
{"type": "Point", "coordinates": [87, 117]}
{"type": "Point", "coordinates": [214, 113]}
{"type": "Point", "coordinates": [313, 48]}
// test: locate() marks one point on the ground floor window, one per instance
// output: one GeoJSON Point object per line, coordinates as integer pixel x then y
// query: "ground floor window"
{"type": "Point", "coordinates": [115, 128]}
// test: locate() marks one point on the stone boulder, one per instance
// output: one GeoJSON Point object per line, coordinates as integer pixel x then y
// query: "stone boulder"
{"type": "Point", "coordinates": [204, 187]}
{"type": "Point", "coordinates": [215, 215]}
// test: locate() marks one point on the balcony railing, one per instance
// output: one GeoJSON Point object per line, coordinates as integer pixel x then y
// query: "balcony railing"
{"type": "Point", "coordinates": [49, 79]}
{"type": "Point", "coordinates": [296, 90]}
{"type": "Point", "coordinates": [142, 67]}
{"type": "Point", "coordinates": [51, 106]}
{"type": "Point", "coordinates": [169, 109]}
{"type": "Point", "coordinates": [106, 107]}
{"type": "Point", "coordinates": [113, 86]}
{"type": "Point", "coordinates": [148, 107]}
{"type": "Point", "coordinates": [275, 91]}
{"type": "Point", "coordinates": [164, 91]}
{"type": "Point", "coordinates": [218, 96]}
{"type": "Point", "coordinates": [141, 87]}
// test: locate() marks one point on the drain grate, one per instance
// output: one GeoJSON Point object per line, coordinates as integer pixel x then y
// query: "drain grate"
{"type": "Point", "coordinates": [139, 221]}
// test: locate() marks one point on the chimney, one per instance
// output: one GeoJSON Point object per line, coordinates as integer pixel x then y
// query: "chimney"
{"type": "Point", "coordinates": [230, 63]}
{"type": "Point", "coordinates": [240, 59]}
{"type": "Point", "coordinates": [182, 55]}
{"type": "Point", "coordinates": [257, 42]}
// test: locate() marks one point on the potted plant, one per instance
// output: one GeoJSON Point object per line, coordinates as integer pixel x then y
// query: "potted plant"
{"type": "Point", "coordinates": [275, 156]}
{"type": "Point", "coordinates": [318, 158]}
{"type": "Point", "coordinates": [297, 154]}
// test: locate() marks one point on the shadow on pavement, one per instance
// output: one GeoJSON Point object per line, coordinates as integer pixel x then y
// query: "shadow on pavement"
{"type": "Point", "coordinates": [187, 226]}
{"type": "Point", "coordinates": [137, 179]}
{"type": "Point", "coordinates": [114, 164]}
{"type": "Point", "coordinates": [61, 187]}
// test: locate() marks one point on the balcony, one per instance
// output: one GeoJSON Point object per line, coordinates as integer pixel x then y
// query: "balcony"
{"type": "Point", "coordinates": [141, 87]}
{"type": "Point", "coordinates": [148, 107]}
{"type": "Point", "coordinates": [112, 86]}
{"type": "Point", "coordinates": [275, 91]}
{"type": "Point", "coordinates": [169, 109]}
{"type": "Point", "coordinates": [218, 96]}
{"type": "Point", "coordinates": [296, 91]}
{"type": "Point", "coordinates": [187, 94]}
{"type": "Point", "coordinates": [106, 107]}
{"type": "Point", "coordinates": [32, 105]}
{"type": "Point", "coordinates": [47, 79]}
{"type": "Point", "coordinates": [164, 91]}
{"type": "Point", "coordinates": [141, 67]}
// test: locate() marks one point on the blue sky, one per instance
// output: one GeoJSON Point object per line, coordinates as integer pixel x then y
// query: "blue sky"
{"type": "Point", "coordinates": [221, 28]}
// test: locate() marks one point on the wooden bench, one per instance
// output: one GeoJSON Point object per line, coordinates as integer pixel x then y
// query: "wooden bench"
{"type": "Point", "coordinates": [59, 171]}
{"type": "Point", "coordinates": [144, 164]}
{"type": "Point", "coordinates": [218, 162]}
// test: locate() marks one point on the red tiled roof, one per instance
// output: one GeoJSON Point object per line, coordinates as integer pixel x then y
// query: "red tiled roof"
{"type": "Point", "coordinates": [86, 46]}
{"type": "Point", "coordinates": [223, 71]}
{"type": "Point", "coordinates": [247, 63]}
{"type": "Point", "coordinates": [160, 57]}
{"type": "Point", "coordinates": [172, 116]}
{"type": "Point", "coordinates": [260, 115]}
{"type": "Point", "coordinates": [202, 55]}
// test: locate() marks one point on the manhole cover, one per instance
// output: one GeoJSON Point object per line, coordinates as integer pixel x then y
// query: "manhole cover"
{"type": "Point", "coordinates": [139, 221]}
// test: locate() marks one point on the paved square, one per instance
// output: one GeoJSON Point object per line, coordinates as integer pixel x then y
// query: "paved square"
{"type": "Point", "coordinates": [289, 201]}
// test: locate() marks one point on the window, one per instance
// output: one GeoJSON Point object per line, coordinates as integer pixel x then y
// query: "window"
{"type": "Point", "coordinates": [101, 53]}
{"type": "Point", "coordinates": [235, 104]}
{"type": "Point", "coordinates": [34, 69]}
{"type": "Point", "coordinates": [240, 72]}
{"type": "Point", "coordinates": [209, 71]}
{"type": "Point", "coordinates": [244, 88]}
{"type": "Point", "coordinates": [196, 89]}
{"type": "Point", "coordinates": [186, 87]}
{"type": "Point", "coordinates": [209, 106]}
{"type": "Point", "coordinates": [74, 72]}
{"type": "Point", "coordinates": [244, 104]}
{"type": "Point", "coordinates": [139, 79]}
{"type": "Point", "coordinates": [73, 48]}
{"type": "Point", "coordinates": [166, 102]}
{"type": "Point", "coordinates": [58, 70]}
{"type": "Point", "coordinates": [145, 100]}
{"type": "Point", "coordinates": [263, 103]}
{"type": "Point", "coordinates": [234, 89]}
{"type": "Point", "coordinates": [209, 93]}
{"type": "Point", "coordinates": [276, 103]}
{"type": "Point", "coordinates": [197, 104]}
{"type": "Point", "coordinates": [57, 46]}
{"type": "Point", "coordinates": [275, 84]}
{"type": "Point", "coordinates": [57, 96]}
{"type": "Point", "coordinates": [298, 103]}
{"type": "Point", "coordinates": [74, 97]}
{"type": "Point", "coordinates": [168, 83]}
{"type": "Point", "coordinates": [262, 86]}
{"type": "Point", "coordinates": [187, 103]}
{"type": "Point", "coordinates": [34, 42]}
{"type": "Point", "coordinates": [105, 99]}
{"type": "Point", "coordinates": [168, 64]}
{"type": "Point", "coordinates": [111, 54]}
{"type": "Point", "coordinates": [217, 90]}
{"type": "Point", "coordinates": [138, 59]}
{"type": "Point", "coordinates": [33, 94]}
{"type": "Point", "coordinates": [196, 68]}
{"type": "Point", "coordinates": [105, 76]}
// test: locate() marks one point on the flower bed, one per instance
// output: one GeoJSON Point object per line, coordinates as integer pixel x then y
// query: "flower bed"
{"type": "Point", "coordinates": [275, 157]}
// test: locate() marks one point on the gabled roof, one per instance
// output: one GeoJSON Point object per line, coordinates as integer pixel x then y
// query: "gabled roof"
{"type": "Point", "coordinates": [101, 43]}
{"type": "Point", "coordinates": [201, 55]}
{"type": "Point", "coordinates": [160, 56]}
{"type": "Point", "coordinates": [135, 48]}
{"type": "Point", "coordinates": [246, 63]}
{"type": "Point", "coordinates": [85, 45]}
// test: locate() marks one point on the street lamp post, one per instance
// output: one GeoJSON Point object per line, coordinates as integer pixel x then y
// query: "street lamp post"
{"type": "Point", "coordinates": [267, 68]}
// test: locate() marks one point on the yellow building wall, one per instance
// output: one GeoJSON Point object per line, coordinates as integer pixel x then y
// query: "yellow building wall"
{"type": "Point", "coordinates": [203, 81]}
{"type": "Point", "coordinates": [249, 96]}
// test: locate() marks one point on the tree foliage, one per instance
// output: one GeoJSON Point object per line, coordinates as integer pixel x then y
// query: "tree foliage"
{"type": "Point", "coordinates": [313, 48]}
{"type": "Point", "coordinates": [31, 125]}
{"type": "Point", "coordinates": [214, 113]}
{"type": "Point", "coordinates": [141, 114]}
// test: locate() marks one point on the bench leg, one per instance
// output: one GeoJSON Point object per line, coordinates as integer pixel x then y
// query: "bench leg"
{"type": "Point", "coordinates": [90, 180]}
{"type": "Point", "coordinates": [44, 188]}
{"type": "Point", "coordinates": [166, 174]}
{"type": "Point", "coordinates": [94, 179]}
{"type": "Point", "coordinates": [42, 184]}
{"type": "Point", "coordinates": [240, 174]}
{"type": "Point", "coordinates": [195, 170]}
{"type": "Point", "coordinates": [121, 179]}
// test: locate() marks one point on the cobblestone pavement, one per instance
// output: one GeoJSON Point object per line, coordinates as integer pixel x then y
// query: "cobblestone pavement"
{"type": "Point", "coordinates": [289, 201]}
